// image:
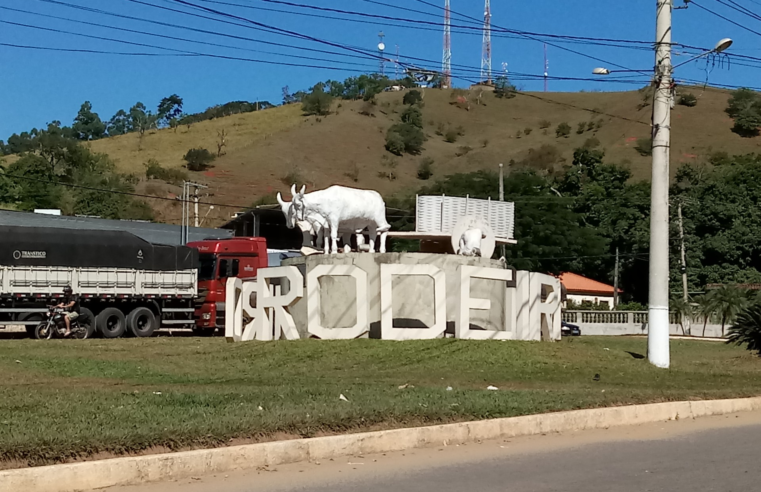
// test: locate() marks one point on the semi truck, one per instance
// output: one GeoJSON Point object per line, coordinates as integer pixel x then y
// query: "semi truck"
{"type": "Point", "coordinates": [127, 286]}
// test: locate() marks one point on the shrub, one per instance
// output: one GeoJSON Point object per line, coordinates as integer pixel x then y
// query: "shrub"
{"type": "Point", "coordinates": [543, 158]}
{"type": "Point", "coordinates": [484, 142]}
{"type": "Point", "coordinates": [413, 97]}
{"type": "Point", "coordinates": [745, 108]}
{"type": "Point", "coordinates": [747, 329]}
{"type": "Point", "coordinates": [590, 126]}
{"type": "Point", "coordinates": [353, 174]}
{"type": "Point", "coordinates": [425, 168]}
{"type": "Point", "coordinates": [518, 134]}
{"type": "Point", "coordinates": [463, 150]}
{"type": "Point", "coordinates": [413, 116]}
{"type": "Point", "coordinates": [599, 124]}
{"type": "Point", "coordinates": [394, 143]}
{"type": "Point", "coordinates": [198, 159]}
{"type": "Point", "coordinates": [591, 143]}
{"type": "Point", "coordinates": [527, 131]}
{"type": "Point", "coordinates": [451, 136]}
{"type": "Point", "coordinates": [153, 170]}
{"type": "Point", "coordinates": [460, 131]}
{"type": "Point", "coordinates": [389, 163]}
{"type": "Point", "coordinates": [563, 130]}
{"type": "Point", "coordinates": [544, 124]}
{"type": "Point", "coordinates": [440, 129]}
{"type": "Point", "coordinates": [688, 100]}
{"type": "Point", "coordinates": [292, 177]}
{"type": "Point", "coordinates": [644, 146]}
{"type": "Point", "coordinates": [581, 128]}
{"type": "Point", "coordinates": [410, 139]}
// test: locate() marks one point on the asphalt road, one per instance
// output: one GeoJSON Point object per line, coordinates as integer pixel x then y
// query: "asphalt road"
{"type": "Point", "coordinates": [711, 454]}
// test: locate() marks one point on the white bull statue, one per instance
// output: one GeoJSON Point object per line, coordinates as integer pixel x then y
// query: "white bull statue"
{"type": "Point", "coordinates": [343, 209]}
{"type": "Point", "coordinates": [314, 226]}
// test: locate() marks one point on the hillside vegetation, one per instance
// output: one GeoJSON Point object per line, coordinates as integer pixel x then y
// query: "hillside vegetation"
{"type": "Point", "coordinates": [266, 150]}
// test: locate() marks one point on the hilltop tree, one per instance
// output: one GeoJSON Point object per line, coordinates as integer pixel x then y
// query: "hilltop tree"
{"type": "Point", "coordinates": [413, 97]}
{"type": "Point", "coordinates": [169, 108]}
{"type": "Point", "coordinates": [503, 88]}
{"type": "Point", "coordinates": [317, 102]}
{"type": "Point", "coordinates": [141, 120]}
{"type": "Point", "coordinates": [119, 124]}
{"type": "Point", "coordinates": [87, 125]}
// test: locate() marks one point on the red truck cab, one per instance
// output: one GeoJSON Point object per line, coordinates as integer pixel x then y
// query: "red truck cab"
{"type": "Point", "coordinates": [220, 259]}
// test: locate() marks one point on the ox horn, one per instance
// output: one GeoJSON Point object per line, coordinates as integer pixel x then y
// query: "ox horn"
{"type": "Point", "coordinates": [280, 199]}
{"type": "Point", "coordinates": [303, 189]}
{"type": "Point", "coordinates": [293, 189]}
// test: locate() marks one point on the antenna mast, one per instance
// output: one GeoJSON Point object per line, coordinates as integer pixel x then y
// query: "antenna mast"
{"type": "Point", "coordinates": [486, 51]}
{"type": "Point", "coordinates": [446, 60]}
{"type": "Point", "coordinates": [546, 68]}
{"type": "Point", "coordinates": [381, 49]}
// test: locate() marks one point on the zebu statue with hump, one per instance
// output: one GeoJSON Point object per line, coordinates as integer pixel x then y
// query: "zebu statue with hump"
{"type": "Point", "coordinates": [343, 209]}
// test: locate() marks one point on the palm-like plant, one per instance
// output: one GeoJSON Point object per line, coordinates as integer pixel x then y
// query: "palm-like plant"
{"type": "Point", "coordinates": [682, 309]}
{"type": "Point", "coordinates": [705, 308]}
{"type": "Point", "coordinates": [747, 328]}
{"type": "Point", "coordinates": [728, 301]}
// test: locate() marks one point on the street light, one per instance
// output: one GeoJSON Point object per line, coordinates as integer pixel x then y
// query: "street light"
{"type": "Point", "coordinates": [658, 277]}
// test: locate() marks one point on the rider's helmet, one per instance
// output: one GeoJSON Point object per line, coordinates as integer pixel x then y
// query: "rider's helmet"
{"type": "Point", "coordinates": [67, 289]}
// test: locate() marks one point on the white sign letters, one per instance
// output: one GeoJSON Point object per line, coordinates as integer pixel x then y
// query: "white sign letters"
{"type": "Point", "coordinates": [529, 303]}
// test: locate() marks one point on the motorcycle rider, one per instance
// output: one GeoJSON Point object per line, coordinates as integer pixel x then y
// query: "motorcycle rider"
{"type": "Point", "coordinates": [71, 304]}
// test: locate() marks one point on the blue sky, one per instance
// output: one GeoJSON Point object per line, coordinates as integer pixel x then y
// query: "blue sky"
{"type": "Point", "coordinates": [41, 86]}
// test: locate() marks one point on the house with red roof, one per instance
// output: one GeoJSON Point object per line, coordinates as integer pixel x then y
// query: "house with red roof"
{"type": "Point", "coordinates": [582, 289]}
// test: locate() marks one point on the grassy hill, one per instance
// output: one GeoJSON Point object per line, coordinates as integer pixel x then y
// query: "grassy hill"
{"type": "Point", "coordinates": [267, 150]}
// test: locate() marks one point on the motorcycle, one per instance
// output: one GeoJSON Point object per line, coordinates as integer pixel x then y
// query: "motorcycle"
{"type": "Point", "coordinates": [54, 326]}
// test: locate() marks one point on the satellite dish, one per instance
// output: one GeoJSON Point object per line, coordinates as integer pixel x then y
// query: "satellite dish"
{"type": "Point", "coordinates": [722, 45]}
{"type": "Point", "coordinates": [381, 46]}
{"type": "Point", "coordinates": [488, 244]}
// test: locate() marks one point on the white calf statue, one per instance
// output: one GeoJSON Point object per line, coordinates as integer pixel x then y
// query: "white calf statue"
{"type": "Point", "coordinates": [344, 207]}
{"type": "Point", "coordinates": [470, 242]}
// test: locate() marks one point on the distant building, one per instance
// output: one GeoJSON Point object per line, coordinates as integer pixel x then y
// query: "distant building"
{"type": "Point", "coordinates": [582, 289]}
{"type": "Point", "coordinates": [149, 231]}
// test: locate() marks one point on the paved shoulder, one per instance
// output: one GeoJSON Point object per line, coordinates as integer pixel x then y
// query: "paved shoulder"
{"type": "Point", "coordinates": [710, 454]}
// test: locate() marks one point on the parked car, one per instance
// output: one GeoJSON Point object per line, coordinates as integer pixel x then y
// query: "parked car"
{"type": "Point", "coordinates": [569, 330]}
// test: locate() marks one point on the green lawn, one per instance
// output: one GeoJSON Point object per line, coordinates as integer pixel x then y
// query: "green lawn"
{"type": "Point", "coordinates": [65, 399]}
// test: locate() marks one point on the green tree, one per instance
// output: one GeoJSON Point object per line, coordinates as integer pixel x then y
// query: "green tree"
{"type": "Point", "coordinates": [744, 107]}
{"type": "Point", "coordinates": [412, 97]}
{"type": "Point", "coordinates": [119, 124]}
{"type": "Point", "coordinates": [728, 302]}
{"type": "Point", "coordinates": [411, 135]}
{"type": "Point", "coordinates": [35, 187]}
{"type": "Point", "coordinates": [413, 116]}
{"type": "Point", "coordinates": [682, 309]}
{"type": "Point", "coordinates": [503, 88]}
{"type": "Point", "coordinates": [317, 102]}
{"type": "Point", "coordinates": [169, 108]}
{"type": "Point", "coordinates": [198, 159]}
{"type": "Point", "coordinates": [141, 120]}
{"type": "Point", "coordinates": [87, 125]}
{"type": "Point", "coordinates": [394, 143]}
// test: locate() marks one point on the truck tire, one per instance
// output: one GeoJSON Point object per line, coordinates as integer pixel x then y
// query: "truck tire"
{"type": "Point", "coordinates": [111, 323]}
{"type": "Point", "coordinates": [31, 329]}
{"type": "Point", "coordinates": [141, 322]}
{"type": "Point", "coordinates": [86, 320]}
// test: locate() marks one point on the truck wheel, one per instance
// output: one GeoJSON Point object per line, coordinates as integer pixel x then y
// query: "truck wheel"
{"type": "Point", "coordinates": [111, 323]}
{"type": "Point", "coordinates": [86, 321]}
{"type": "Point", "coordinates": [141, 322]}
{"type": "Point", "coordinates": [31, 329]}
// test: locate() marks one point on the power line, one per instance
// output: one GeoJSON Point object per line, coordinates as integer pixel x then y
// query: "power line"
{"type": "Point", "coordinates": [757, 33]}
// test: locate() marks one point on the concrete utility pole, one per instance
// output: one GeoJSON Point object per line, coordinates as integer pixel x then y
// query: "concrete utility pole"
{"type": "Point", "coordinates": [658, 311]}
{"type": "Point", "coordinates": [195, 199]}
{"type": "Point", "coordinates": [501, 183]}
{"type": "Point", "coordinates": [684, 260]}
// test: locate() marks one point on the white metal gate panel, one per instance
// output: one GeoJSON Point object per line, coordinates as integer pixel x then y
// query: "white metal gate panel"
{"type": "Point", "coordinates": [439, 214]}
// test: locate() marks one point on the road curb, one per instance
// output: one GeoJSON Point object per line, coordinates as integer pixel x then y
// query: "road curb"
{"type": "Point", "coordinates": [177, 466]}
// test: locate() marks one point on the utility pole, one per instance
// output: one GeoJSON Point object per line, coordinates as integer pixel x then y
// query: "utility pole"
{"type": "Point", "coordinates": [182, 202]}
{"type": "Point", "coordinates": [658, 310]}
{"type": "Point", "coordinates": [446, 57]}
{"type": "Point", "coordinates": [196, 186]}
{"type": "Point", "coordinates": [615, 283]}
{"type": "Point", "coordinates": [502, 194]}
{"type": "Point", "coordinates": [684, 260]}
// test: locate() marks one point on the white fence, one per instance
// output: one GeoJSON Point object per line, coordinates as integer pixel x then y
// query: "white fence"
{"type": "Point", "coordinates": [634, 323]}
